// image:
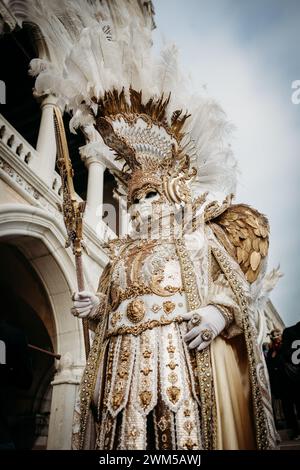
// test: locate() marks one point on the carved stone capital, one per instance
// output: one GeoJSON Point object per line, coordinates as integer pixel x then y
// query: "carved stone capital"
{"type": "Point", "coordinates": [98, 152]}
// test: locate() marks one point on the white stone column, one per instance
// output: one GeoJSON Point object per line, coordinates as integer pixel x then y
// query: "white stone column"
{"type": "Point", "coordinates": [46, 143]}
{"type": "Point", "coordinates": [65, 385]}
{"type": "Point", "coordinates": [96, 168]}
{"type": "Point", "coordinates": [123, 217]}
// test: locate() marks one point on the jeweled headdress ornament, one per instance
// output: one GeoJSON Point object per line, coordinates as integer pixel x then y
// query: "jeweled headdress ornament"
{"type": "Point", "coordinates": [138, 108]}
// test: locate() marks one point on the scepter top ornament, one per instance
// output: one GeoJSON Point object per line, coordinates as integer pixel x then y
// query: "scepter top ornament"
{"type": "Point", "coordinates": [72, 208]}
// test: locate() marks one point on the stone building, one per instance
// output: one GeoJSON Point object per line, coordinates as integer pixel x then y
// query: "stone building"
{"type": "Point", "coordinates": [38, 275]}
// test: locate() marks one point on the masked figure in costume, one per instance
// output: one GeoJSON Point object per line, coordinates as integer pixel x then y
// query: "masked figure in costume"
{"type": "Point", "coordinates": [175, 362]}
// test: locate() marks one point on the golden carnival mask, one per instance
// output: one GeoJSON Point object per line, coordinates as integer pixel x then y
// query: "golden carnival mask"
{"type": "Point", "coordinates": [140, 136]}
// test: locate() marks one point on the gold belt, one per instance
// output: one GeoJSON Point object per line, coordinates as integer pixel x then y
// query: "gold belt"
{"type": "Point", "coordinates": [137, 290]}
{"type": "Point", "coordinates": [138, 329]}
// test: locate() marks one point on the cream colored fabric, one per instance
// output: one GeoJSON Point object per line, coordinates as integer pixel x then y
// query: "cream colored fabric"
{"type": "Point", "coordinates": [235, 427]}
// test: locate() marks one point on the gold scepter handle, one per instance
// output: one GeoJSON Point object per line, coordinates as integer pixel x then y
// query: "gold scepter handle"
{"type": "Point", "coordinates": [72, 210]}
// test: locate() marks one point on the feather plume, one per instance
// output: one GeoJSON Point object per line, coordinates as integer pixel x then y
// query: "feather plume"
{"type": "Point", "coordinates": [269, 282]}
{"type": "Point", "coordinates": [95, 47]}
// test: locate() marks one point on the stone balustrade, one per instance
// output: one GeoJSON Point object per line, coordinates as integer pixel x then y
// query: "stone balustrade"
{"type": "Point", "coordinates": [21, 165]}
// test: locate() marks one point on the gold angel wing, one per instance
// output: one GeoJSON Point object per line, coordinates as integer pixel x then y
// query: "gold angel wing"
{"type": "Point", "coordinates": [245, 234]}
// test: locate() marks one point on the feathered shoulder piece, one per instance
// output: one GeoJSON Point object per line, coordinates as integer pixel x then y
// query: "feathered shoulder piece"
{"type": "Point", "coordinates": [245, 234]}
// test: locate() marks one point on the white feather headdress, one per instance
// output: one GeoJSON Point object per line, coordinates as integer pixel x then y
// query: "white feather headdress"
{"type": "Point", "coordinates": [97, 48]}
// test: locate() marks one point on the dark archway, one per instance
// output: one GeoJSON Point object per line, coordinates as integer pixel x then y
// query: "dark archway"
{"type": "Point", "coordinates": [25, 305]}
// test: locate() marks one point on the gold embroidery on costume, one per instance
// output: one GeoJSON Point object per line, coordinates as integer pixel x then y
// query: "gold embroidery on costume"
{"type": "Point", "coordinates": [155, 308]}
{"type": "Point", "coordinates": [173, 393]}
{"type": "Point", "coordinates": [164, 427]}
{"type": "Point", "coordinates": [147, 374]}
{"type": "Point", "coordinates": [172, 365]}
{"type": "Point", "coordinates": [129, 280]}
{"type": "Point", "coordinates": [188, 425]}
{"type": "Point", "coordinates": [136, 310]}
{"type": "Point", "coordinates": [105, 437]}
{"type": "Point", "coordinates": [133, 427]}
{"type": "Point", "coordinates": [208, 406]}
{"type": "Point", "coordinates": [151, 372]}
{"type": "Point", "coordinates": [259, 403]}
{"type": "Point", "coordinates": [122, 370]}
{"type": "Point", "coordinates": [115, 318]}
{"type": "Point", "coordinates": [172, 382]}
{"type": "Point", "coordinates": [168, 306]}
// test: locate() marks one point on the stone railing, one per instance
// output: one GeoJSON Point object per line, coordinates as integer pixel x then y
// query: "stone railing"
{"type": "Point", "coordinates": [20, 165]}
{"type": "Point", "coordinates": [24, 152]}
{"type": "Point", "coordinates": [17, 144]}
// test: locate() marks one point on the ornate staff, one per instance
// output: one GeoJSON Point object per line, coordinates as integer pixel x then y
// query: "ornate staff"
{"type": "Point", "coordinates": [72, 209]}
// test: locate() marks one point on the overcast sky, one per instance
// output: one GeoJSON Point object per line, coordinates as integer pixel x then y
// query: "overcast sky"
{"type": "Point", "coordinates": [246, 53]}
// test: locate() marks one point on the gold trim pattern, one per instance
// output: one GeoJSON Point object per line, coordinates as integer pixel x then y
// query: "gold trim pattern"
{"type": "Point", "coordinates": [115, 318]}
{"type": "Point", "coordinates": [203, 360]}
{"type": "Point", "coordinates": [260, 420]}
{"type": "Point", "coordinates": [164, 425]}
{"type": "Point", "coordinates": [227, 314]}
{"type": "Point", "coordinates": [122, 372]}
{"type": "Point", "coordinates": [146, 373]}
{"type": "Point", "coordinates": [88, 381]}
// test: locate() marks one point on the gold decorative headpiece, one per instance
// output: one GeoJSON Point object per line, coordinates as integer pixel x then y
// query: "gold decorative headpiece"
{"type": "Point", "coordinates": [141, 135]}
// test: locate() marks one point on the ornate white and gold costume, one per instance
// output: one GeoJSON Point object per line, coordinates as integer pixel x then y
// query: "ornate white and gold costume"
{"type": "Point", "coordinates": [144, 386]}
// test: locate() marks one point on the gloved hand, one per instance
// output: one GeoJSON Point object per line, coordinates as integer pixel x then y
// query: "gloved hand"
{"type": "Point", "coordinates": [205, 324]}
{"type": "Point", "coordinates": [85, 304]}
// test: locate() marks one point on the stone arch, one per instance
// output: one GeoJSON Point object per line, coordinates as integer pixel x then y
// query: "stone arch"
{"type": "Point", "coordinates": [40, 239]}
{"type": "Point", "coordinates": [19, 9]}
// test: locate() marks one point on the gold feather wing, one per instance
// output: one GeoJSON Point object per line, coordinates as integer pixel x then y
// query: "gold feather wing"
{"type": "Point", "coordinates": [245, 233]}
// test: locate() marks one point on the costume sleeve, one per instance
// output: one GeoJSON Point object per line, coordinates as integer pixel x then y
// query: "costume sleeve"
{"type": "Point", "coordinates": [222, 296]}
{"type": "Point", "coordinates": [102, 293]}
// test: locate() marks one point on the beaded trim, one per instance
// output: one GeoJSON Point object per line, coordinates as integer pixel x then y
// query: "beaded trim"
{"type": "Point", "coordinates": [227, 314]}
{"type": "Point", "coordinates": [203, 359]}
{"type": "Point", "coordinates": [260, 419]}
{"type": "Point", "coordinates": [88, 382]}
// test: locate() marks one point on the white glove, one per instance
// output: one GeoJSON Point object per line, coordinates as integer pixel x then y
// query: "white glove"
{"type": "Point", "coordinates": [84, 304]}
{"type": "Point", "coordinates": [205, 325]}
